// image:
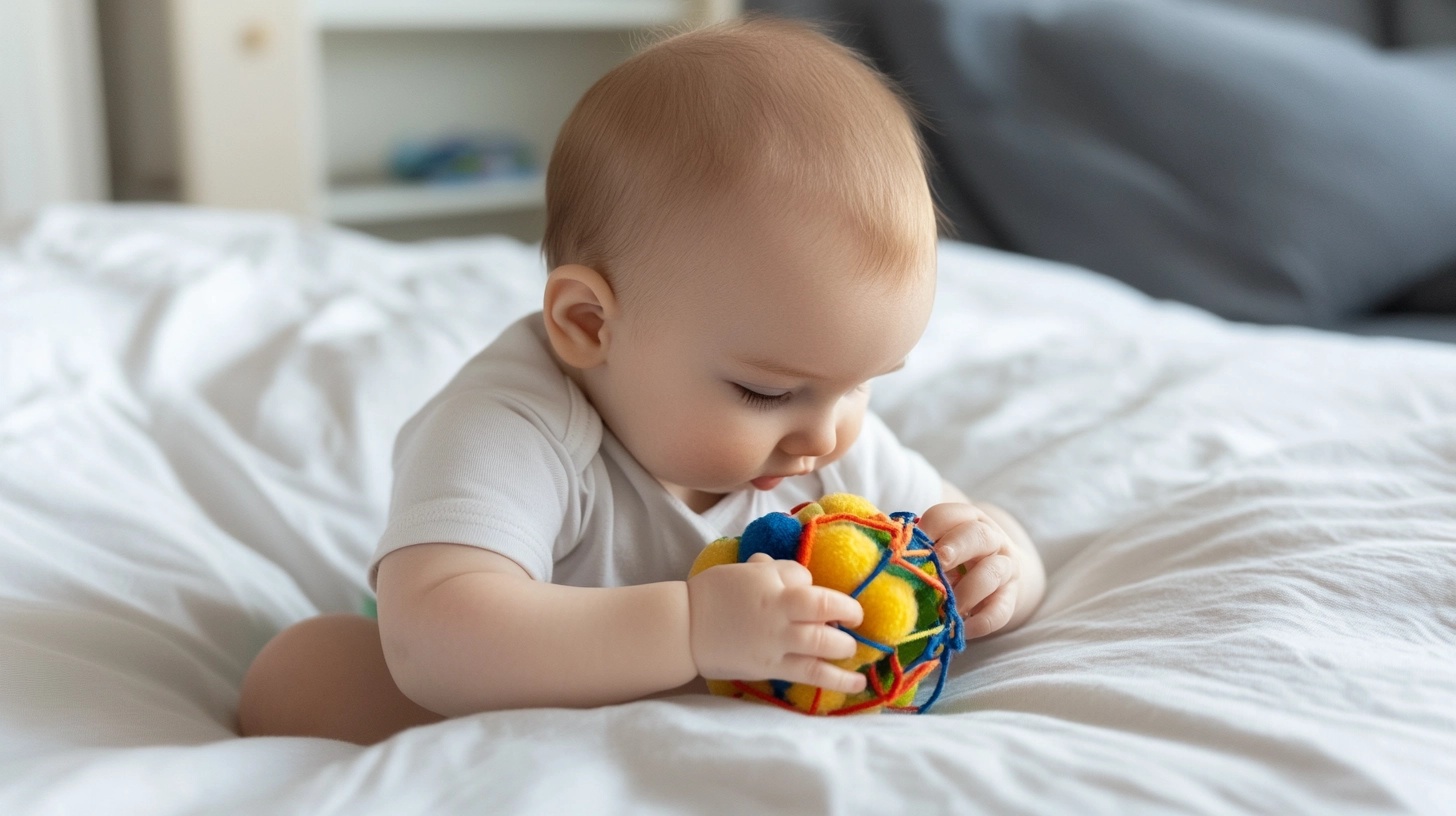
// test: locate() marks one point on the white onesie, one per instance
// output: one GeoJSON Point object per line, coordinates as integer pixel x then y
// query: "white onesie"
{"type": "Point", "coordinates": [511, 457]}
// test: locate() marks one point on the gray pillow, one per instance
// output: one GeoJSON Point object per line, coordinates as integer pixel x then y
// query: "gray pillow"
{"type": "Point", "coordinates": [1262, 167]}
{"type": "Point", "coordinates": [1435, 295]}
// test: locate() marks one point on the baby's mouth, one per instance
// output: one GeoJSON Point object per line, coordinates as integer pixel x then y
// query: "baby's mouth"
{"type": "Point", "coordinates": [767, 482]}
{"type": "Point", "coordinates": [770, 482]}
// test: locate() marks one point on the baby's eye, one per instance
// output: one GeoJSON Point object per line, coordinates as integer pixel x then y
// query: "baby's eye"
{"type": "Point", "coordinates": [758, 399]}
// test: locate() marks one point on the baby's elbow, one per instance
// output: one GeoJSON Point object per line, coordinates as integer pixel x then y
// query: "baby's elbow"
{"type": "Point", "coordinates": [439, 608]}
{"type": "Point", "coordinates": [402, 658]}
{"type": "Point", "coordinates": [439, 655]}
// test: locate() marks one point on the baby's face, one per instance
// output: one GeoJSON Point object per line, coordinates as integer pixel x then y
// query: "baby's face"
{"type": "Point", "coordinates": [756, 364]}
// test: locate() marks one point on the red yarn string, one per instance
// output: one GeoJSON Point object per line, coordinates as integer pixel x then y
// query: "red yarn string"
{"type": "Point", "coordinates": [901, 534]}
{"type": "Point", "coordinates": [767, 698]}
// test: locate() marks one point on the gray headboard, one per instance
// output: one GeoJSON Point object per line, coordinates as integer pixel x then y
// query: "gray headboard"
{"type": "Point", "coordinates": [1264, 166]}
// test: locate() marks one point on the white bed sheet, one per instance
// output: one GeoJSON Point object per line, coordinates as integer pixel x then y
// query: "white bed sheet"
{"type": "Point", "coordinates": [1250, 535]}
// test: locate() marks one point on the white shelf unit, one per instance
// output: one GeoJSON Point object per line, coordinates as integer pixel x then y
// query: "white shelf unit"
{"type": "Point", "coordinates": [297, 104]}
{"type": "Point", "coordinates": [393, 71]}
{"type": "Point", "coordinates": [366, 203]}
{"type": "Point", "coordinates": [371, 15]}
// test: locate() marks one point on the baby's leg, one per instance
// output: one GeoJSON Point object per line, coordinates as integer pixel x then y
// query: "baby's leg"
{"type": "Point", "coordinates": [326, 677]}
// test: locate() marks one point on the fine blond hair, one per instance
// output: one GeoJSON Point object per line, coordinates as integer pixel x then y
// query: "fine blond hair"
{"type": "Point", "coordinates": [757, 111]}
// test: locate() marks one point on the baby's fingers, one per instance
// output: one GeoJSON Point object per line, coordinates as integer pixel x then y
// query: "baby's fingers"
{"type": "Point", "coordinates": [816, 604]}
{"type": "Point", "coordinates": [815, 672]}
{"type": "Point", "coordinates": [818, 640]}
{"type": "Point", "coordinates": [994, 613]}
{"type": "Point", "coordinates": [969, 542]}
{"type": "Point", "coordinates": [988, 575]}
{"type": "Point", "coordinates": [791, 573]}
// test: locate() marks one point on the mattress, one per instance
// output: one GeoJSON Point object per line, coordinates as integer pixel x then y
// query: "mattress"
{"type": "Point", "coordinates": [1249, 532]}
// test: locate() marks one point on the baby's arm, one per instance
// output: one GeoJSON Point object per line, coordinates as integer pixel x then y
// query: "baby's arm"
{"type": "Point", "coordinates": [998, 574]}
{"type": "Point", "coordinates": [466, 630]}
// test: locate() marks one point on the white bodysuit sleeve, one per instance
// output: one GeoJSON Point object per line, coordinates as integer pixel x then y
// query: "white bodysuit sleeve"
{"type": "Point", "coordinates": [475, 470]}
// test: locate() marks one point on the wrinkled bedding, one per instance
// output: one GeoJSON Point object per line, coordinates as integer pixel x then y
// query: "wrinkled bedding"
{"type": "Point", "coordinates": [1250, 535]}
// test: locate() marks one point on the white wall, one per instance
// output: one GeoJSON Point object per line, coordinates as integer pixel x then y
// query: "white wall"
{"type": "Point", "coordinates": [52, 141]}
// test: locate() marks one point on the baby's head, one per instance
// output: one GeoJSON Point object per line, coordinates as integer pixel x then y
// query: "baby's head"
{"type": "Point", "coordinates": [741, 235]}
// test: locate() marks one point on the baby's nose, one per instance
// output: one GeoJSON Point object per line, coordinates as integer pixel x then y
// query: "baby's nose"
{"type": "Point", "coordinates": [817, 439]}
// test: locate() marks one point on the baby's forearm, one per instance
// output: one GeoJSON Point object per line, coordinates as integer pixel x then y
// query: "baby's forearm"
{"type": "Point", "coordinates": [486, 641]}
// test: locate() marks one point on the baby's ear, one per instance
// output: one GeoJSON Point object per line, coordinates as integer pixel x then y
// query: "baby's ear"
{"type": "Point", "coordinates": [579, 308]}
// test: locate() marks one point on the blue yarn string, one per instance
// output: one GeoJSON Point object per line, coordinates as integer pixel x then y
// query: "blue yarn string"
{"type": "Point", "coordinates": [874, 573]}
{"type": "Point", "coordinates": [939, 645]}
{"type": "Point", "coordinates": [866, 641]}
{"type": "Point", "coordinates": [953, 637]}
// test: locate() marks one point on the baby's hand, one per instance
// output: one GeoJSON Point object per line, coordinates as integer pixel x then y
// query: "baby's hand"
{"type": "Point", "coordinates": [765, 620]}
{"type": "Point", "coordinates": [981, 561]}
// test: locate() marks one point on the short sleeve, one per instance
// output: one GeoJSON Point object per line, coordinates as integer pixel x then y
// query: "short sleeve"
{"type": "Point", "coordinates": [884, 471]}
{"type": "Point", "coordinates": [475, 470]}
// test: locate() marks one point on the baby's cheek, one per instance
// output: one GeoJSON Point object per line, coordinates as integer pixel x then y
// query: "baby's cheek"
{"type": "Point", "coordinates": [714, 457]}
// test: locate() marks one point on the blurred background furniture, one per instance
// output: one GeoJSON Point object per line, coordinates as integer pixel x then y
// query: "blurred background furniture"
{"type": "Point", "coordinates": [297, 104]}
{"type": "Point", "coordinates": [1276, 161]}
{"type": "Point", "coordinates": [52, 136]}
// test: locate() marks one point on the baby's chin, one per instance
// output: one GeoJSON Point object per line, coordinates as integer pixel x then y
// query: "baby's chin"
{"type": "Point", "coordinates": [763, 483]}
{"type": "Point", "coordinates": [719, 485]}
{"type": "Point", "coordinates": [701, 489]}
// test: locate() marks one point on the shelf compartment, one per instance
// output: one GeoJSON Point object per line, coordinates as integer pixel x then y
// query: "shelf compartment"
{"type": "Point", "coordinates": [380, 15]}
{"type": "Point", "coordinates": [384, 201]}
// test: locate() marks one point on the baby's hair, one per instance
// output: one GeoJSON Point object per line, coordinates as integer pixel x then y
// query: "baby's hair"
{"type": "Point", "coordinates": [753, 110]}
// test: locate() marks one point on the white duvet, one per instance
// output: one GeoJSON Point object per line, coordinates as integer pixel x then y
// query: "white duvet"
{"type": "Point", "coordinates": [1250, 536]}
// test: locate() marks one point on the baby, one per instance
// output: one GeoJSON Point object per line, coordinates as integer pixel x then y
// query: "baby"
{"type": "Point", "coordinates": [741, 237]}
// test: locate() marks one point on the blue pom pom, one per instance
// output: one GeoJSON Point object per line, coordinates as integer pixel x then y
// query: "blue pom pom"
{"type": "Point", "coordinates": [776, 534]}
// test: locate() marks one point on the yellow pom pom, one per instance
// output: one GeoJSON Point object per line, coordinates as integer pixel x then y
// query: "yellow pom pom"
{"type": "Point", "coordinates": [809, 511]}
{"type": "Point", "coordinates": [889, 610]}
{"type": "Point", "coordinates": [849, 503]}
{"type": "Point", "coordinates": [864, 654]}
{"type": "Point", "coordinates": [722, 551]}
{"type": "Point", "coordinates": [761, 686]}
{"type": "Point", "coordinates": [801, 696]}
{"type": "Point", "coordinates": [842, 556]}
{"type": "Point", "coordinates": [723, 688]}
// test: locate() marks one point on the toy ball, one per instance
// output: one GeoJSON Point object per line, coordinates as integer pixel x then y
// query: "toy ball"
{"type": "Point", "coordinates": [911, 627]}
